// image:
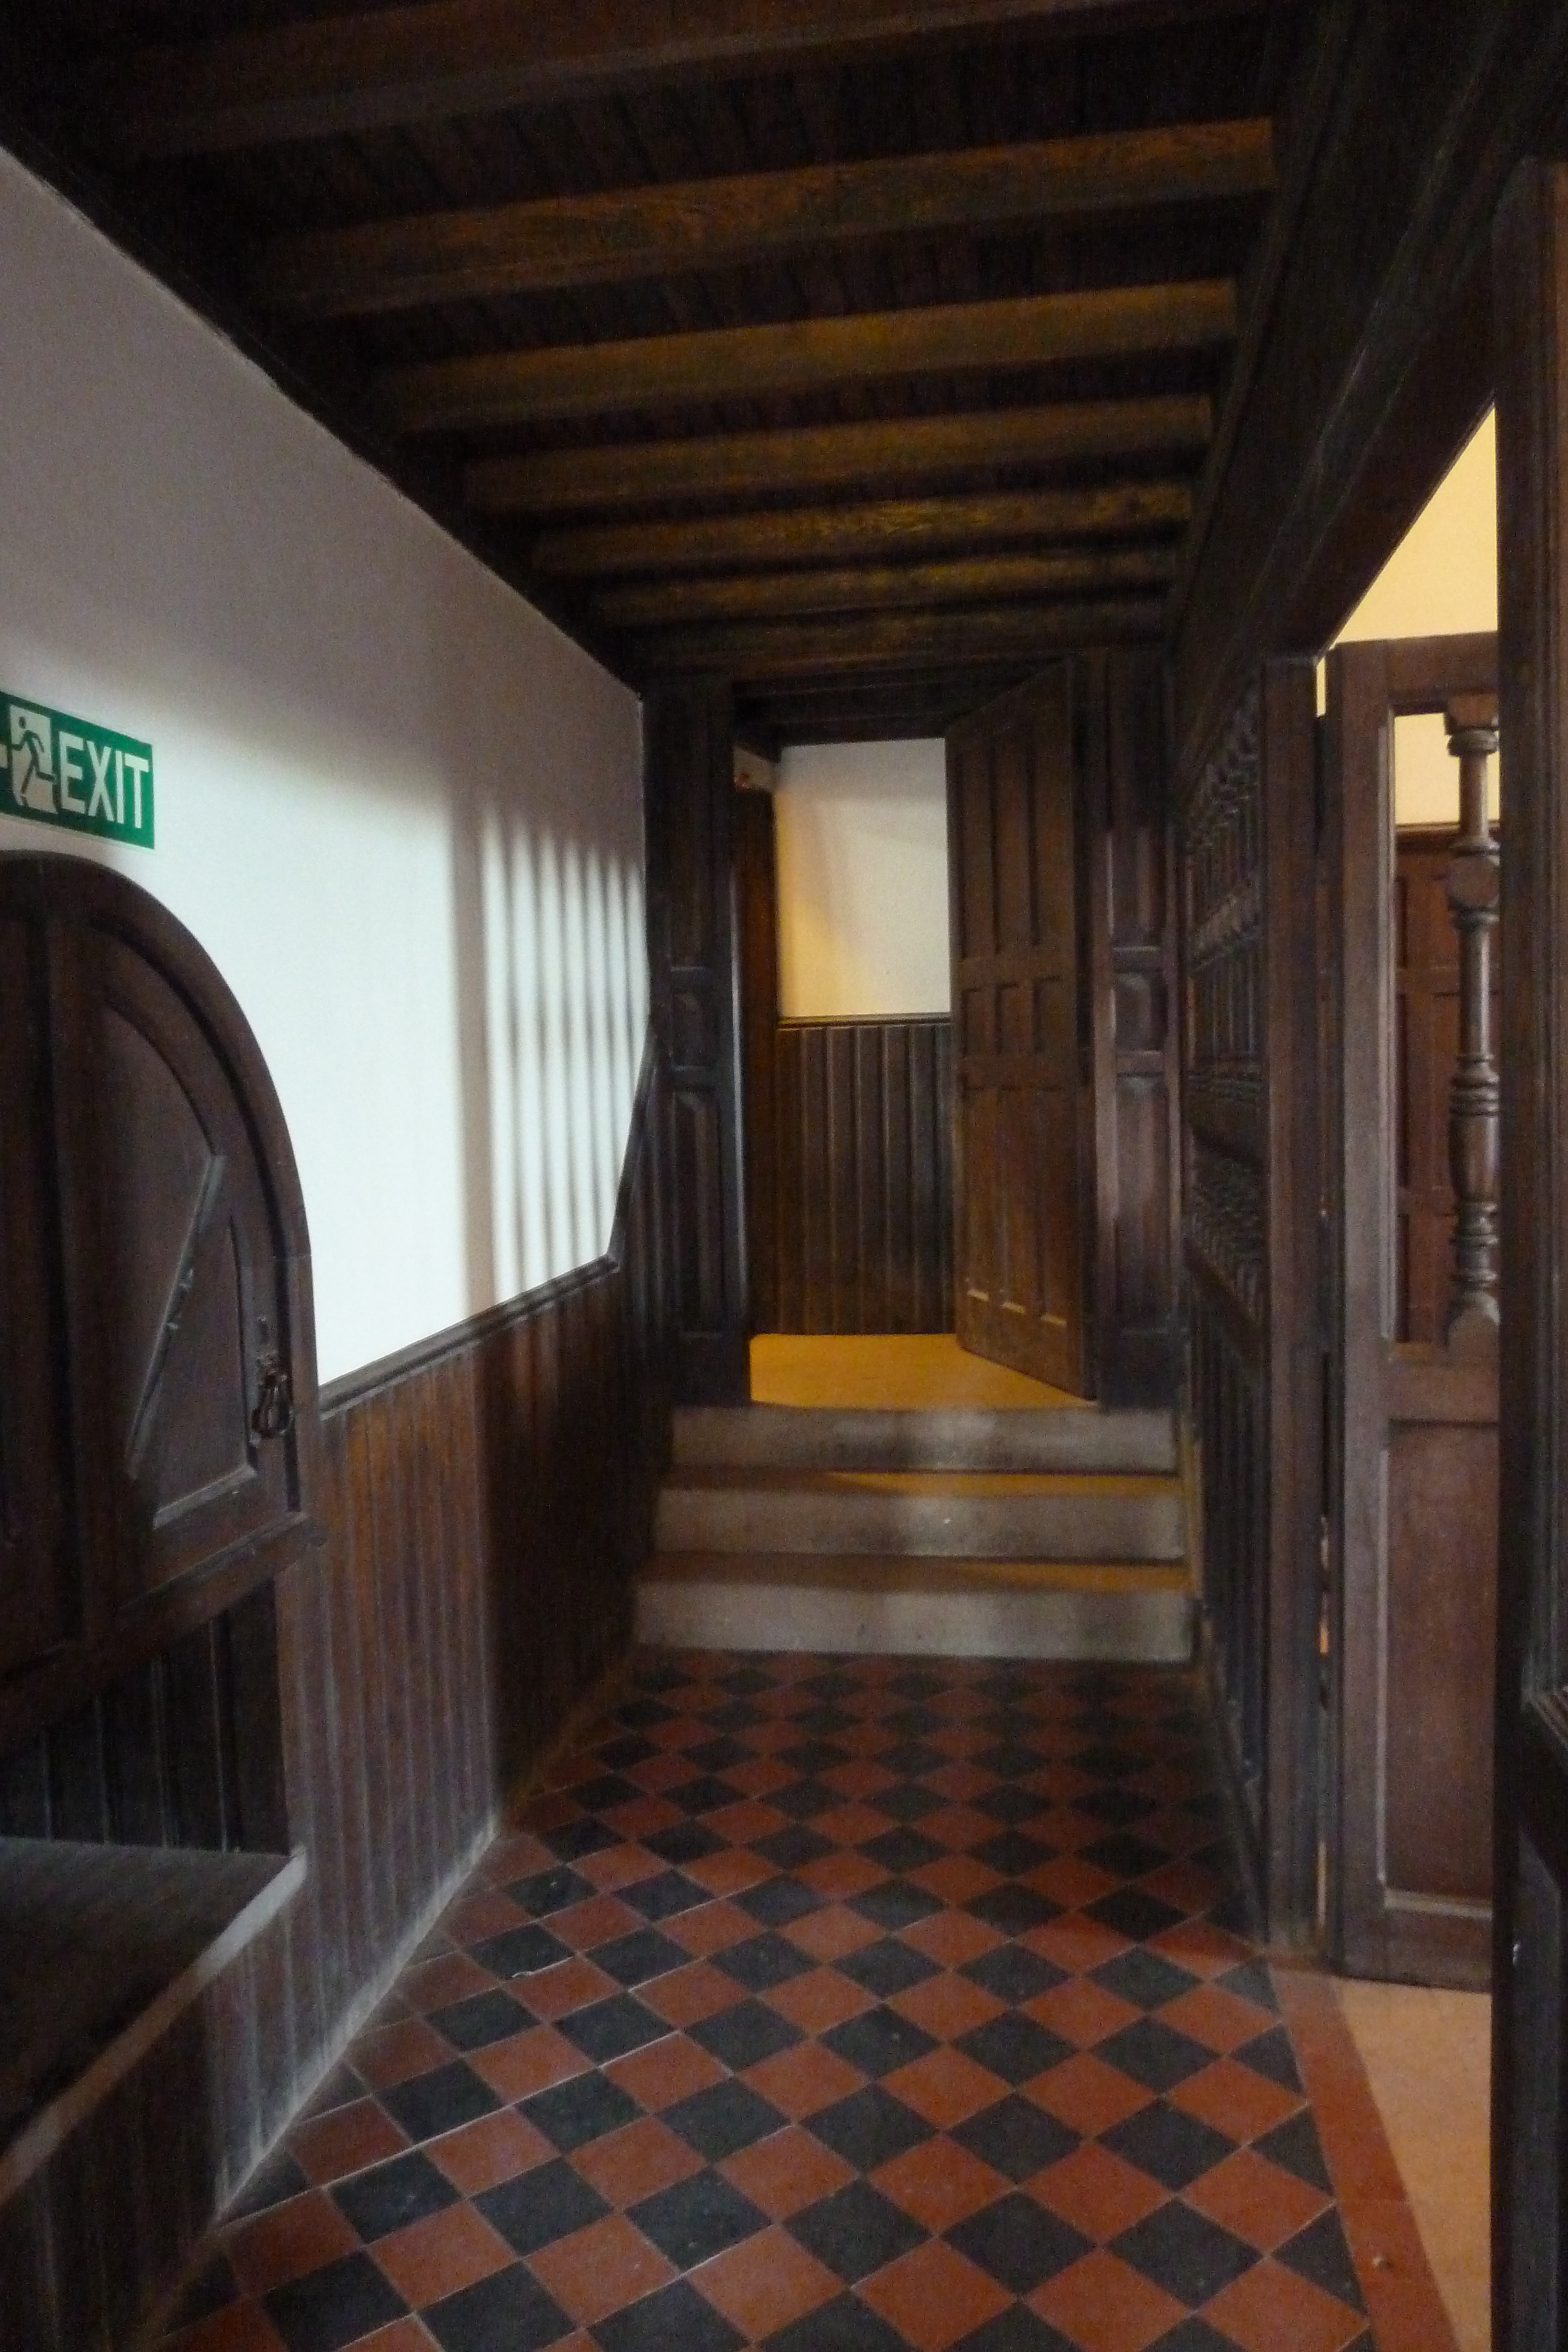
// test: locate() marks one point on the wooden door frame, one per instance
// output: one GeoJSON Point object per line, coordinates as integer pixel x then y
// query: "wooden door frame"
{"type": "Point", "coordinates": [1529, 2087]}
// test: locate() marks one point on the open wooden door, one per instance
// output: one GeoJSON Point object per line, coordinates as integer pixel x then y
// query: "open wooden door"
{"type": "Point", "coordinates": [1529, 2071]}
{"type": "Point", "coordinates": [1023, 1096]}
{"type": "Point", "coordinates": [1412, 1391]}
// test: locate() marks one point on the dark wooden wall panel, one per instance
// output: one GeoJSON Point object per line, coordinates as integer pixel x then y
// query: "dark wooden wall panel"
{"type": "Point", "coordinates": [483, 1503]}
{"type": "Point", "coordinates": [1132, 955]}
{"type": "Point", "coordinates": [863, 1187]}
{"type": "Point", "coordinates": [1251, 1148]}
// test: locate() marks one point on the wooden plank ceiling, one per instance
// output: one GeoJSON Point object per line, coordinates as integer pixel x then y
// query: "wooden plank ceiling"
{"type": "Point", "coordinates": [865, 354]}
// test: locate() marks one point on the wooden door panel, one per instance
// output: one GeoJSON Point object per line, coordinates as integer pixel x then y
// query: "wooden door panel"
{"type": "Point", "coordinates": [194, 1285]}
{"type": "Point", "coordinates": [1024, 1130]}
{"type": "Point", "coordinates": [1439, 1771]}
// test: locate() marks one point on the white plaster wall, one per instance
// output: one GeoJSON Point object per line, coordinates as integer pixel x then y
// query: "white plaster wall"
{"type": "Point", "coordinates": [401, 812]}
{"type": "Point", "coordinates": [863, 881]}
{"type": "Point", "coordinates": [1440, 581]}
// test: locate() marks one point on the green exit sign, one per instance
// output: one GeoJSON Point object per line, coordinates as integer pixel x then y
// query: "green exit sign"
{"type": "Point", "coordinates": [68, 772]}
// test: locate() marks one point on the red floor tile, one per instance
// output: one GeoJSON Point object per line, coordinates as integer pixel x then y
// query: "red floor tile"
{"type": "Point", "coordinates": [903, 1891]}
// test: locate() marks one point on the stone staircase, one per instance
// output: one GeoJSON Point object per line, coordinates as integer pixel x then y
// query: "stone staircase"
{"type": "Point", "coordinates": [1054, 1534]}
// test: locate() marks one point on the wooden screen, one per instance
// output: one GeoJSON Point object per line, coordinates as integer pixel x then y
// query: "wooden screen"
{"type": "Point", "coordinates": [1413, 1516]}
{"type": "Point", "coordinates": [1021, 1068]}
{"type": "Point", "coordinates": [1248, 944]}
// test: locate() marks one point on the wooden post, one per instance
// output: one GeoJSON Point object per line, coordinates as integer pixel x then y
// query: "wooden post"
{"type": "Point", "coordinates": [1474, 1098]}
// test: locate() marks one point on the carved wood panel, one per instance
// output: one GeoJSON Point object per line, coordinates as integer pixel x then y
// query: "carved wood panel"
{"type": "Point", "coordinates": [1251, 1238]}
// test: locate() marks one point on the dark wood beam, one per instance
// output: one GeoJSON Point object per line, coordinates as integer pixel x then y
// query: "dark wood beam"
{"type": "Point", "coordinates": [750, 651]}
{"type": "Point", "coordinates": [382, 67]}
{"type": "Point", "coordinates": [808, 354]}
{"type": "Point", "coordinates": [876, 531]}
{"type": "Point", "coordinates": [626, 233]}
{"type": "Point", "coordinates": [979, 580]}
{"type": "Point", "coordinates": [835, 457]}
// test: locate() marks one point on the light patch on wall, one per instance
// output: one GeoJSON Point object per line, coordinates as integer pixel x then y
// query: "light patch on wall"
{"type": "Point", "coordinates": [1426, 774]}
{"type": "Point", "coordinates": [1441, 579]}
{"type": "Point", "coordinates": [863, 881]}
{"type": "Point", "coordinates": [401, 812]}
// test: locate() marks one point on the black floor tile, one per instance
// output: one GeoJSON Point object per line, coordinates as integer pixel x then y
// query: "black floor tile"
{"type": "Point", "coordinates": [698, 2219]}
{"type": "Point", "coordinates": [896, 1905]}
{"type": "Point", "coordinates": [1195, 2335]}
{"type": "Point", "coordinates": [574, 1839]}
{"type": "Point", "coordinates": [878, 2041]}
{"type": "Point", "coordinates": [438, 2102]}
{"type": "Point", "coordinates": [1148, 1980]}
{"type": "Point", "coordinates": [1272, 2054]}
{"type": "Point", "coordinates": [610, 2028]}
{"type": "Point", "coordinates": [855, 2230]}
{"type": "Point", "coordinates": [520, 1951]}
{"type": "Point", "coordinates": [759, 1962]}
{"type": "Point", "coordinates": [571, 2114]}
{"type": "Point", "coordinates": [540, 2206]}
{"type": "Point", "coordinates": [664, 1897]}
{"type": "Point", "coordinates": [330, 2307]}
{"type": "Point", "coordinates": [908, 1802]}
{"type": "Point", "coordinates": [1009, 1804]}
{"type": "Point", "coordinates": [1154, 2054]}
{"type": "Point", "coordinates": [1019, 2330]}
{"type": "Point", "coordinates": [676, 2319]}
{"type": "Point", "coordinates": [1015, 2047]}
{"type": "Point", "coordinates": [847, 2325]}
{"type": "Point", "coordinates": [1295, 2146]}
{"type": "Point", "coordinates": [683, 1842]}
{"type": "Point", "coordinates": [1251, 1981]}
{"type": "Point", "coordinates": [804, 1799]}
{"type": "Point", "coordinates": [723, 2119]}
{"type": "Point", "coordinates": [1016, 2138]}
{"type": "Point", "coordinates": [888, 1966]}
{"type": "Point", "coordinates": [508, 2308]}
{"type": "Point", "coordinates": [1013, 1973]}
{"type": "Point", "coordinates": [704, 1794]}
{"type": "Point", "coordinates": [273, 2183]}
{"type": "Point", "coordinates": [1013, 1910]}
{"type": "Point", "coordinates": [1319, 2253]}
{"type": "Point", "coordinates": [482, 2018]}
{"type": "Point", "coordinates": [1013, 1851]}
{"type": "Point", "coordinates": [638, 1957]}
{"type": "Point", "coordinates": [870, 2127]}
{"type": "Point", "coordinates": [791, 1849]}
{"type": "Point", "coordinates": [551, 1890]}
{"type": "Point", "coordinates": [902, 1850]}
{"type": "Point", "coordinates": [776, 1902]}
{"type": "Point", "coordinates": [1184, 2252]}
{"type": "Point", "coordinates": [1018, 2243]}
{"type": "Point", "coordinates": [1170, 2146]}
{"type": "Point", "coordinates": [1133, 1911]}
{"type": "Point", "coordinates": [1127, 1855]}
{"type": "Point", "coordinates": [742, 2036]}
{"type": "Point", "coordinates": [390, 2196]}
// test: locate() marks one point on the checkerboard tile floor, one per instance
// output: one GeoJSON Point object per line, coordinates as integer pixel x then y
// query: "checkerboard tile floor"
{"type": "Point", "coordinates": [850, 2005]}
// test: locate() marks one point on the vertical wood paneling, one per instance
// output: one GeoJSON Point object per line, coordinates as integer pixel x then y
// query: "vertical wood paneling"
{"type": "Point", "coordinates": [863, 1193]}
{"type": "Point", "coordinates": [483, 1506]}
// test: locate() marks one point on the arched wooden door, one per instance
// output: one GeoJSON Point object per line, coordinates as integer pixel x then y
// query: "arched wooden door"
{"type": "Point", "coordinates": [157, 1367]}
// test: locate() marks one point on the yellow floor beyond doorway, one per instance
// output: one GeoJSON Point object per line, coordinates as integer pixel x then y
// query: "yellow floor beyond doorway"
{"type": "Point", "coordinates": [904, 1373]}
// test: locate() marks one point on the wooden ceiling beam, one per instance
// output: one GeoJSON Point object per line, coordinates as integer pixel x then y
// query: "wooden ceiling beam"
{"type": "Point", "coordinates": [749, 652]}
{"type": "Point", "coordinates": [498, 388]}
{"type": "Point", "coordinates": [627, 234]}
{"type": "Point", "coordinates": [835, 457]}
{"type": "Point", "coordinates": [378, 68]}
{"type": "Point", "coordinates": [874, 531]}
{"type": "Point", "coordinates": [979, 580]}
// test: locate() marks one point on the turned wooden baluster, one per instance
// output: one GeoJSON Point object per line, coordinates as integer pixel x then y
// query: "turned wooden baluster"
{"type": "Point", "coordinates": [1473, 1098]}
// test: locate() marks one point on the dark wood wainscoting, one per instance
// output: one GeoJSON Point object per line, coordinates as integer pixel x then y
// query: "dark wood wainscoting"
{"type": "Point", "coordinates": [863, 1182]}
{"type": "Point", "coordinates": [483, 1502]}
{"type": "Point", "coordinates": [1251, 1151]}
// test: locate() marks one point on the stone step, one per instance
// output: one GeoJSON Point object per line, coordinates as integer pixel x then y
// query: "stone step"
{"type": "Point", "coordinates": [1039, 1515]}
{"type": "Point", "coordinates": [840, 1604]}
{"type": "Point", "coordinates": [772, 1436]}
